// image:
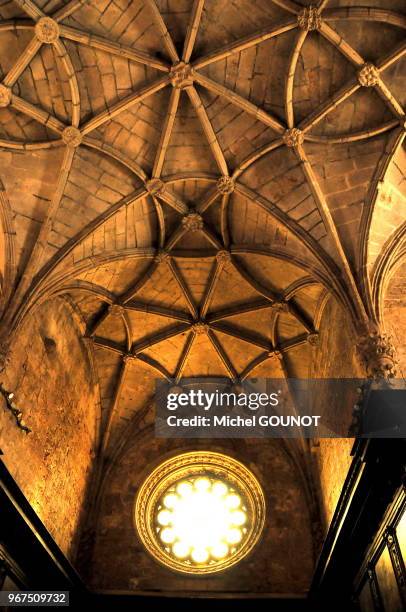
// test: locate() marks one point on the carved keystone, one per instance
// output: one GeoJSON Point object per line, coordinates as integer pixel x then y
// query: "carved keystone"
{"type": "Point", "coordinates": [116, 310]}
{"type": "Point", "coordinates": [225, 185]}
{"type": "Point", "coordinates": [176, 389]}
{"type": "Point", "coordinates": [155, 186]}
{"type": "Point", "coordinates": [280, 306]}
{"type": "Point", "coordinates": [193, 222]}
{"type": "Point", "coordinates": [368, 76]}
{"type": "Point", "coordinates": [181, 75]}
{"type": "Point", "coordinates": [72, 136]}
{"type": "Point", "coordinates": [293, 137]}
{"type": "Point", "coordinates": [313, 338]}
{"type": "Point", "coordinates": [309, 18]}
{"type": "Point", "coordinates": [5, 96]}
{"type": "Point", "coordinates": [223, 256]}
{"type": "Point", "coordinates": [47, 30]}
{"type": "Point", "coordinates": [129, 358]}
{"type": "Point", "coordinates": [200, 328]}
{"type": "Point", "coordinates": [162, 256]}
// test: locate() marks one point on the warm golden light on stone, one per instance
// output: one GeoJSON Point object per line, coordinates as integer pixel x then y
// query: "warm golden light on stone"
{"type": "Point", "coordinates": [200, 512]}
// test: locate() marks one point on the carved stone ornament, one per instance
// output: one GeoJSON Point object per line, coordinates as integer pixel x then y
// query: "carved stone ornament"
{"type": "Point", "coordinates": [193, 222]}
{"type": "Point", "coordinates": [10, 405]}
{"type": "Point", "coordinates": [200, 328]}
{"type": "Point", "coordinates": [47, 30]}
{"type": "Point", "coordinates": [378, 355]}
{"type": "Point", "coordinates": [181, 75]}
{"type": "Point", "coordinates": [223, 256]}
{"type": "Point", "coordinates": [162, 256]}
{"type": "Point", "coordinates": [129, 358]}
{"type": "Point", "coordinates": [313, 338]}
{"type": "Point", "coordinates": [368, 76]}
{"type": "Point", "coordinates": [5, 96]}
{"type": "Point", "coordinates": [175, 389]}
{"type": "Point", "coordinates": [72, 136]}
{"type": "Point", "coordinates": [155, 186]}
{"type": "Point", "coordinates": [309, 18]}
{"type": "Point", "coordinates": [280, 306]}
{"type": "Point", "coordinates": [116, 310]}
{"type": "Point", "coordinates": [225, 185]}
{"type": "Point", "coordinates": [293, 137]}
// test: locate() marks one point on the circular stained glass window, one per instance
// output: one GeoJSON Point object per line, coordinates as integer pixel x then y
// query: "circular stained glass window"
{"type": "Point", "coordinates": [200, 512]}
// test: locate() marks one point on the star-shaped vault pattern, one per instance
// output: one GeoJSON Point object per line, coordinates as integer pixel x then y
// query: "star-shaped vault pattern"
{"type": "Point", "coordinates": [191, 220]}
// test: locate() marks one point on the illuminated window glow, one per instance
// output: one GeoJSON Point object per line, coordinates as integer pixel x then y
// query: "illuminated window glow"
{"type": "Point", "coordinates": [201, 519]}
{"type": "Point", "coordinates": [200, 512]}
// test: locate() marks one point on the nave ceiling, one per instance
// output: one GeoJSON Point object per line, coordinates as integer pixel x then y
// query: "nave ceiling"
{"type": "Point", "coordinates": [198, 178]}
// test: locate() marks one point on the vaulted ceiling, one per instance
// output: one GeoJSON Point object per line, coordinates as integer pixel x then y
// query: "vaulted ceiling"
{"type": "Point", "coordinates": [198, 177]}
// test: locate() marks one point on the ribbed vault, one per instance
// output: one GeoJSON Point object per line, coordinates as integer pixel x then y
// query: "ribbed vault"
{"type": "Point", "coordinates": [198, 180]}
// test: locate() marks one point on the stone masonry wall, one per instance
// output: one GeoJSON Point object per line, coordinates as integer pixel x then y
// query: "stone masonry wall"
{"type": "Point", "coordinates": [394, 315]}
{"type": "Point", "coordinates": [50, 372]}
{"type": "Point", "coordinates": [335, 357]}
